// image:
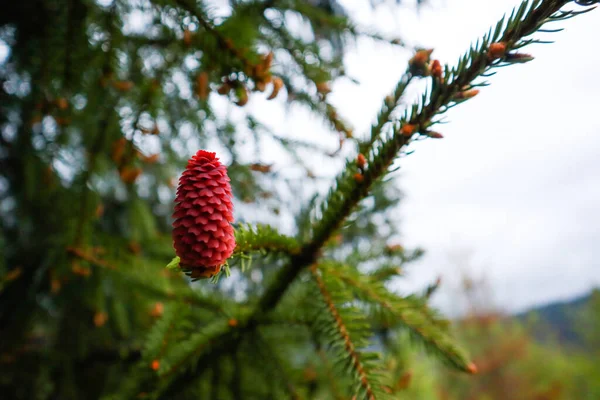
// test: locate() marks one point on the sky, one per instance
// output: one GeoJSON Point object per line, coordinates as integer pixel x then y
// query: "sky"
{"type": "Point", "coordinates": [511, 195]}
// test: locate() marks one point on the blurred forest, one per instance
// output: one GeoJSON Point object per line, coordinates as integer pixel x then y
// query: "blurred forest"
{"type": "Point", "coordinates": [102, 104]}
{"type": "Point", "coordinates": [546, 353]}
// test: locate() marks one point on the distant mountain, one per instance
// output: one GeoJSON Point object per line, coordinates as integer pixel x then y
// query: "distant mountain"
{"type": "Point", "coordinates": [555, 321]}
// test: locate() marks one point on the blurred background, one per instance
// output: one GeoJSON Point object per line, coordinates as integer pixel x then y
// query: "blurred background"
{"type": "Point", "coordinates": [504, 208]}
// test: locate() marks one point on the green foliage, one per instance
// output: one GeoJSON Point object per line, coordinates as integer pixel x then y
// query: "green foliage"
{"type": "Point", "coordinates": [101, 105]}
{"type": "Point", "coordinates": [389, 310]}
{"type": "Point", "coordinates": [263, 238]}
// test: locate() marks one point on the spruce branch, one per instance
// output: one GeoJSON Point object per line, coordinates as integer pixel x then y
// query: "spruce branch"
{"type": "Point", "coordinates": [355, 359]}
{"type": "Point", "coordinates": [263, 238]}
{"type": "Point", "coordinates": [104, 119]}
{"type": "Point", "coordinates": [274, 365]}
{"type": "Point", "coordinates": [185, 353]}
{"type": "Point", "coordinates": [415, 315]}
{"type": "Point", "coordinates": [183, 293]}
{"type": "Point", "coordinates": [349, 191]}
{"type": "Point", "coordinates": [208, 26]}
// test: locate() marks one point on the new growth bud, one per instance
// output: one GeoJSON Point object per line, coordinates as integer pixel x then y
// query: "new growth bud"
{"type": "Point", "coordinates": [361, 161]}
{"type": "Point", "coordinates": [466, 94]}
{"type": "Point", "coordinates": [437, 70]}
{"type": "Point", "coordinates": [496, 51]}
{"type": "Point", "coordinates": [518, 58]}
{"type": "Point", "coordinates": [419, 63]}
{"type": "Point", "coordinates": [408, 129]}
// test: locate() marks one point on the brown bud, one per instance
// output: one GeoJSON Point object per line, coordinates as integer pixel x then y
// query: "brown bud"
{"type": "Point", "coordinates": [157, 310]}
{"type": "Point", "coordinates": [258, 71]}
{"type": "Point", "coordinates": [62, 121]}
{"type": "Point", "coordinates": [472, 368]}
{"type": "Point", "coordinates": [151, 159]}
{"type": "Point", "coordinates": [516, 58]}
{"type": "Point", "coordinates": [418, 64]}
{"type": "Point", "coordinates": [36, 119]}
{"type": "Point", "coordinates": [466, 94]}
{"type": "Point", "coordinates": [123, 86]}
{"type": "Point", "coordinates": [421, 57]}
{"type": "Point", "coordinates": [155, 365]}
{"type": "Point", "coordinates": [361, 161]}
{"type": "Point", "coordinates": [202, 87]}
{"type": "Point", "coordinates": [62, 103]}
{"type": "Point", "coordinates": [242, 95]}
{"type": "Point", "coordinates": [267, 61]}
{"type": "Point", "coordinates": [323, 88]}
{"type": "Point", "coordinates": [408, 129]}
{"type": "Point", "coordinates": [80, 270]}
{"type": "Point", "coordinates": [55, 285]}
{"type": "Point", "coordinates": [264, 168]}
{"type": "Point", "coordinates": [394, 248]}
{"type": "Point", "coordinates": [155, 85]}
{"type": "Point", "coordinates": [232, 322]}
{"type": "Point", "coordinates": [99, 210]}
{"type": "Point", "coordinates": [310, 375]}
{"type": "Point", "coordinates": [224, 89]}
{"type": "Point", "coordinates": [331, 112]}
{"type": "Point", "coordinates": [434, 135]}
{"type": "Point", "coordinates": [130, 174]}
{"type": "Point", "coordinates": [134, 247]}
{"type": "Point", "coordinates": [118, 150]}
{"type": "Point", "coordinates": [404, 380]}
{"type": "Point", "coordinates": [260, 86]}
{"type": "Point", "coordinates": [12, 275]}
{"type": "Point", "coordinates": [358, 177]}
{"type": "Point", "coordinates": [277, 85]}
{"type": "Point", "coordinates": [389, 100]}
{"type": "Point", "coordinates": [100, 318]}
{"type": "Point", "coordinates": [187, 37]}
{"type": "Point", "coordinates": [436, 69]}
{"type": "Point", "coordinates": [496, 50]}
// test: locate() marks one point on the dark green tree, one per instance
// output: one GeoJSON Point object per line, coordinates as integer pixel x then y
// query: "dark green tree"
{"type": "Point", "coordinates": [103, 102]}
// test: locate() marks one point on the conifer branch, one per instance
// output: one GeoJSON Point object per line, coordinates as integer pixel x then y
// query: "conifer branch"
{"type": "Point", "coordinates": [342, 330]}
{"type": "Point", "coordinates": [224, 42]}
{"type": "Point", "coordinates": [184, 293]}
{"type": "Point", "coordinates": [269, 354]}
{"type": "Point", "coordinates": [330, 377]}
{"type": "Point", "coordinates": [389, 105]}
{"type": "Point", "coordinates": [185, 354]}
{"type": "Point", "coordinates": [349, 191]}
{"type": "Point", "coordinates": [263, 238]}
{"type": "Point", "coordinates": [98, 143]}
{"type": "Point", "coordinates": [408, 312]}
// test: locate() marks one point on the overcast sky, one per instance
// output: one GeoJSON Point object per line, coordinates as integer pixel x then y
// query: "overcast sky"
{"type": "Point", "coordinates": [512, 193]}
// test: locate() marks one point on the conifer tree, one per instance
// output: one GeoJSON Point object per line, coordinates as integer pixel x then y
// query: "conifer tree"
{"type": "Point", "coordinates": [102, 105]}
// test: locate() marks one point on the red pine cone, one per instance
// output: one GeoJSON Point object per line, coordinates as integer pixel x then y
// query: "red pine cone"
{"type": "Point", "coordinates": [202, 234]}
